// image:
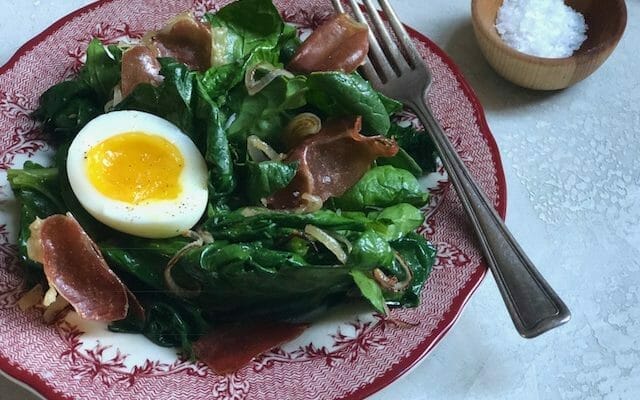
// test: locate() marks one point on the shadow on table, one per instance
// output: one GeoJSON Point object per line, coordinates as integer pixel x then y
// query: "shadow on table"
{"type": "Point", "coordinates": [495, 93]}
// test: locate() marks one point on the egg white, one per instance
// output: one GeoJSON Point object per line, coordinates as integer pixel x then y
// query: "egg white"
{"type": "Point", "coordinates": [151, 219]}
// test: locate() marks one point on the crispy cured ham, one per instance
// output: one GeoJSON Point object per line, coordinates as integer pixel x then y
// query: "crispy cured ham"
{"type": "Point", "coordinates": [76, 269]}
{"type": "Point", "coordinates": [183, 38]}
{"type": "Point", "coordinates": [340, 44]}
{"type": "Point", "coordinates": [228, 348]}
{"type": "Point", "coordinates": [139, 65]}
{"type": "Point", "coordinates": [330, 162]}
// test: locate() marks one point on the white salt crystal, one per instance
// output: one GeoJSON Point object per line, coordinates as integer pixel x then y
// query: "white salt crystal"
{"type": "Point", "coordinates": [543, 28]}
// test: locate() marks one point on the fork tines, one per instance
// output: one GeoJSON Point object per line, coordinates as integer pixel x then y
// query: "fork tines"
{"type": "Point", "coordinates": [387, 57]}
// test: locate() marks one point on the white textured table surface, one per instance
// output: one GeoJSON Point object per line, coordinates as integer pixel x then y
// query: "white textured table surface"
{"type": "Point", "coordinates": [572, 162]}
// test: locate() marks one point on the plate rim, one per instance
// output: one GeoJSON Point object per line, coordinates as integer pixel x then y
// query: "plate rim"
{"type": "Point", "coordinates": [35, 384]}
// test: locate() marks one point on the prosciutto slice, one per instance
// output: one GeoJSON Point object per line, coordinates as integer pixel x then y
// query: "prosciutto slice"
{"type": "Point", "coordinates": [228, 348]}
{"type": "Point", "coordinates": [139, 65]}
{"type": "Point", "coordinates": [330, 162]}
{"type": "Point", "coordinates": [340, 44]}
{"type": "Point", "coordinates": [76, 269]}
{"type": "Point", "coordinates": [185, 39]}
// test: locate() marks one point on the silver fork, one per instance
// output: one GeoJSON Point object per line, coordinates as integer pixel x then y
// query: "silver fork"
{"type": "Point", "coordinates": [397, 70]}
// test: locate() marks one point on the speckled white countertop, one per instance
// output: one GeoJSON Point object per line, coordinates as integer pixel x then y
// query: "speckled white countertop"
{"type": "Point", "coordinates": [572, 162]}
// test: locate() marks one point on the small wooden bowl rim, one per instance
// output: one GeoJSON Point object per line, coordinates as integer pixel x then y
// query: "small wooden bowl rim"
{"type": "Point", "coordinates": [495, 38]}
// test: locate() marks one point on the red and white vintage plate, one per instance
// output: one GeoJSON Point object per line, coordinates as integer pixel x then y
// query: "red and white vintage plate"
{"type": "Point", "coordinates": [347, 354]}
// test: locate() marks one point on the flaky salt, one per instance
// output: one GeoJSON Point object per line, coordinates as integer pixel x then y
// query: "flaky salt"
{"type": "Point", "coordinates": [543, 28]}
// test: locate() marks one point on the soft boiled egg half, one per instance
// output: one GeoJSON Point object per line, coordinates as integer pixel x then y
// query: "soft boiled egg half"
{"type": "Point", "coordinates": [139, 174]}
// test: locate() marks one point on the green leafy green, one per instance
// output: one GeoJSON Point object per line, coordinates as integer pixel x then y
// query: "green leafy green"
{"type": "Point", "coordinates": [217, 81]}
{"type": "Point", "coordinates": [35, 188]}
{"type": "Point", "coordinates": [390, 105]}
{"type": "Point", "coordinates": [264, 114]}
{"type": "Point", "coordinates": [36, 178]}
{"type": "Point", "coordinates": [418, 146]}
{"type": "Point", "coordinates": [338, 94]}
{"type": "Point", "coordinates": [383, 187]}
{"type": "Point", "coordinates": [102, 69]}
{"type": "Point", "coordinates": [259, 223]}
{"type": "Point", "coordinates": [399, 220]}
{"type": "Point", "coordinates": [218, 156]}
{"type": "Point", "coordinates": [370, 250]}
{"type": "Point", "coordinates": [67, 107]}
{"type": "Point", "coordinates": [244, 26]}
{"type": "Point", "coordinates": [168, 323]}
{"type": "Point", "coordinates": [141, 261]}
{"type": "Point", "coordinates": [267, 177]}
{"type": "Point", "coordinates": [255, 279]}
{"type": "Point", "coordinates": [402, 160]}
{"type": "Point", "coordinates": [263, 55]}
{"type": "Point", "coordinates": [369, 290]}
{"type": "Point", "coordinates": [419, 255]}
{"type": "Point", "coordinates": [288, 43]}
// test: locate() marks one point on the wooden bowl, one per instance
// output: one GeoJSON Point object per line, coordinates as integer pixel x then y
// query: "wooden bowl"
{"type": "Point", "coordinates": [606, 21]}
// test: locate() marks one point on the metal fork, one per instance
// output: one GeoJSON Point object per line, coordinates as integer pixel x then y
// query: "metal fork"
{"type": "Point", "coordinates": [397, 70]}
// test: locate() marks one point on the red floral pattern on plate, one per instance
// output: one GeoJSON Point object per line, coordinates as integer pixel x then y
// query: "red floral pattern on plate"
{"type": "Point", "coordinates": [346, 355]}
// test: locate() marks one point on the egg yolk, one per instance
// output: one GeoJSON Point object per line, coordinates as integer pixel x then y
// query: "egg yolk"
{"type": "Point", "coordinates": [135, 167]}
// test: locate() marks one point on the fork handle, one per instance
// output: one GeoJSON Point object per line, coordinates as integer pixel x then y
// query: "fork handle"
{"type": "Point", "coordinates": [533, 305]}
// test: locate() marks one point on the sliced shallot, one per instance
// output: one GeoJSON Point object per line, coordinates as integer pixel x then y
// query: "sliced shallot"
{"type": "Point", "coordinates": [327, 240]}
{"type": "Point", "coordinates": [255, 86]}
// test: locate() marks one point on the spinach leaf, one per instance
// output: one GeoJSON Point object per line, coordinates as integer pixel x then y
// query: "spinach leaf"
{"type": "Point", "coordinates": [263, 114]}
{"type": "Point", "coordinates": [168, 323]}
{"type": "Point", "coordinates": [390, 105]}
{"type": "Point", "coordinates": [383, 187]}
{"type": "Point", "coordinates": [417, 145]}
{"type": "Point", "coordinates": [266, 177]}
{"type": "Point", "coordinates": [218, 156]}
{"type": "Point", "coordinates": [66, 108]}
{"type": "Point", "coordinates": [218, 80]}
{"type": "Point", "coordinates": [218, 151]}
{"type": "Point", "coordinates": [288, 43]}
{"type": "Point", "coordinates": [35, 189]}
{"type": "Point", "coordinates": [399, 220]}
{"type": "Point", "coordinates": [102, 69]}
{"type": "Point", "coordinates": [419, 255]}
{"type": "Point", "coordinates": [178, 77]}
{"type": "Point", "coordinates": [246, 279]}
{"type": "Point", "coordinates": [369, 290]}
{"type": "Point", "coordinates": [370, 250]}
{"type": "Point", "coordinates": [402, 160]}
{"type": "Point", "coordinates": [243, 26]}
{"type": "Point", "coordinates": [141, 263]}
{"type": "Point", "coordinates": [165, 326]}
{"type": "Point", "coordinates": [36, 178]}
{"type": "Point", "coordinates": [263, 55]}
{"type": "Point", "coordinates": [338, 94]}
{"type": "Point", "coordinates": [253, 223]}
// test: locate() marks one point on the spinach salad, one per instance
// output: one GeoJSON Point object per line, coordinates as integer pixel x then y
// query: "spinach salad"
{"type": "Point", "coordinates": [261, 250]}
